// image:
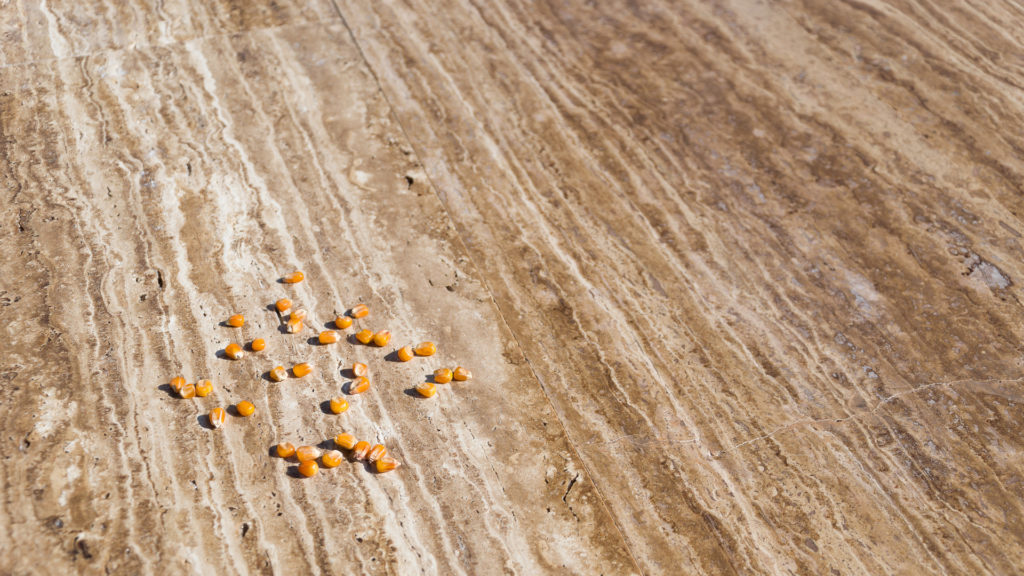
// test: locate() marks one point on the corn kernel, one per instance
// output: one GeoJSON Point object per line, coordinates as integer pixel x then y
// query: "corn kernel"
{"type": "Point", "coordinates": [301, 370]}
{"type": "Point", "coordinates": [360, 450]}
{"type": "Point", "coordinates": [236, 321]}
{"type": "Point", "coordinates": [258, 345]}
{"type": "Point", "coordinates": [426, 389]}
{"type": "Point", "coordinates": [308, 468]}
{"type": "Point", "coordinates": [387, 464]}
{"type": "Point", "coordinates": [443, 375]}
{"type": "Point", "coordinates": [234, 351]}
{"type": "Point", "coordinates": [359, 369]}
{"type": "Point", "coordinates": [359, 385]}
{"type": "Point", "coordinates": [294, 277]}
{"type": "Point", "coordinates": [364, 336]}
{"type": "Point", "coordinates": [328, 337]}
{"type": "Point", "coordinates": [204, 388]}
{"type": "Point", "coordinates": [176, 383]}
{"type": "Point", "coordinates": [285, 450]}
{"type": "Point", "coordinates": [343, 322]}
{"type": "Point", "coordinates": [306, 453]}
{"type": "Point", "coordinates": [217, 416]}
{"type": "Point", "coordinates": [278, 374]}
{"type": "Point", "coordinates": [294, 326]}
{"type": "Point", "coordinates": [382, 338]}
{"type": "Point", "coordinates": [405, 353]}
{"type": "Point", "coordinates": [299, 314]}
{"type": "Point", "coordinates": [462, 374]}
{"type": "Point", "coordinates": [339, 404]}
{"type": "Point", "coordinates": [283, 306]}
{"type": "Point", "coordinates": [345, 440]}
{"type": "Point", "coordinates": [376, 453]}
{"type": "Point", "coordinates": [331, 458]}
{"type": "Point", "coordinates": [245, 408]}
{"type": "Point", "coordinates": [187, 391]}
{"type": "Point", "coordinates": [360, 311]}
{"type": "Point", "coordinates": [425, 349]}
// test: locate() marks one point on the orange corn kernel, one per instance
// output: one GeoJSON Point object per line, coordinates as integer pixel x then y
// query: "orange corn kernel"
{"type": "Point", "coordinates": [360, 450]}
{"type": "Point", "coordinates": [462, 374]}
{"type": "Point", "coordinates": [301, 370]}
{"type": "Point", "coordinates": [331, 458]}
{"type": "Point", "coordinates": [294, 326]}
{"type": "Point", "coordinates": [359, 385]}
{"type": "Point", "coordinates": [283, 306]}
{"type": "Point", "coordinates": [360, 311]}
{"type": "Point", "coordinates": [278, 374]}
{"type": "Point", "coordinates": [285, 450]}
{"type": "Point", "coordinates": [234, 351]}
{"type": "Point", "coordinates": [339, 404]}
{"type": "Point", "coordinates": [443, 375]}
{"type": "Point", "coordinates": [405, 353]}
{"type": "Point", "coordinates": [217, 416]}
{"type": "Point", "coordinates": [328, 337]}
{"type": "Point", "coordinates": [187, 391]}
{"type": "Point", "coordinates": [345, 440]}
{"type": "Point", "coordinates": [387, 464]}
{"type": "Point", "coordinates": [245, 408]}
{"type": "Point", "coordinates": [299, 314]}
{"type": "Point", "coordinates": [204, 388]}
{"type": "Point", "coordinates": [364, 336]}
{"type": "Point", "coordinates": [360, 369]}
{"type": "Point", "coordinates": [376, 453]}
{"type": "Point", "coordinates": [306, 453]}
{"type": "Point", "coordinates": [236, 321]}
{"type": "Point", "coordinates": [176, 383]}
{"type": "Point", "coordinates": [425, 349]}
{"type": "Point", "coordinates": [308, 468]}
{"type": "Point", "coordinates": [294, 277]}
{"type": "Point", "coordinates": [426, 389]}
{"type": "Point", "coordinates": [343, 322]}
{"type": "Point", "coordinates": [382, 338]}
{"type": "Point", "coordinates": [258, 345]}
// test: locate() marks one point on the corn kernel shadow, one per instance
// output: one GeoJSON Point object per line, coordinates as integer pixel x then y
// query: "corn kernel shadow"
{"type": "Point", "coordinates": [325, 407]}
{"type": "Point", "coordinates": [412, 392]}
{"type": "Point", "coordinates": [204, 421]}
{"type": "Point", "coordinates": [266, 376]}
{"type": "Point", "coordinates": [293, 471]}
{"type": "Point", "coordinates": [392, 356]}
{"type": "Point", "coordinates": [167, 388]}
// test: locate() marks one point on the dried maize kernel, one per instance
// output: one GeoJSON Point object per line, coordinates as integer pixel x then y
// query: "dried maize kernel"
{"type": "Point", "coordinates": [331, 458]}
{"type": "Point", "coordinates": [382, 338]}
{"type": "Point", "coordinates": [299, 314]}
{"type": "Point", "coordinates": [283, 306]}
{"type": "Point", "coordinates": [359, 369]}
{"type": "Point", "coordinates": [339, 404]}
{"type": "Point", "coordinates": [462, 374]}
{"type": "Point", "coordinates": [360, 311]}
{"type": "Point", "coordinates": [245, 408]}
{"type": "Point", "coordinates": [343, 322]}
{"type": "Point", "coordinates": [360, 450]}
{"type": "Point", "coordinates": [306, 453]}
{"type": "Point", "coordinates": [278, 374]}
{"type": "Point", "coordinates": [364, 336]}
{"type": "Point", "coordinates": [359, 385]}
{"type": "Point", "coordinates": [258, 344]}
{"type": "Point", "coordinates": [328, 337]}
{"type": "Point", "coordinates": [236, 321]}
{"type": "Point", "coordinates": [425, 349]}
{"type": "Point", "coordinates": [294, 277]}
{"type": "Point", "coordinates": [294, 326]}
{"type": "Point", "coordinates": [387, 464]}
{"type": "Point", "coordinates": [302, 369]}
{"type": "Point", "coordinates": [204, 388]}
{"type": "Point", "coordinates": [405, 353]}
{"type": "Point", "coordinates": [187, 391]}
{"type": "Point", "coordinates": [308, 468]}
{"type": "Point", "coordinates": [376, 453]}
{"type": "Point", "coordinates": [217, 416]}
{"type": "Point", "coordinates": [345, 440]}
{"type": "Point", "coordinates": [176, 383]}
{"type": "Point", "coordinates": [285, 450]}
{"type": "Point", "coordinates": [234, 351]}
{"type": "Point", "coordinates": [426, 389]}
{"type": "Point", "coordinates": [443, 375]}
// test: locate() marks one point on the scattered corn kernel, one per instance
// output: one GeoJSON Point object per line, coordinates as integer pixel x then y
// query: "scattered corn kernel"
{"type": "Point", "coordinates": [301, 370]}
{"type": "Point", "coordinates": [359, 385]}
{"type": "Point", "coordinates": [331, 458]}
{"type": "Point", "coordinates": [443, 375]}
{"type": "Point", "coordinates": [359, 369]}
{"type": "Point", "coordinates": [258, 345]}
{"type": "Point", "coordinates": [376, 453]}
{"type": "Point", "coordinates": [426, 389]}
{"type": "Point", "coordinates": [461, 374]}
{"type": "Point", "coordinates": [299, 314]}
{"type": "Point", "coordinates": [382, 338]}
{"type": "Point", "coordinates": [278, 374]}
{"type": "Point", "coordinates": [283, 306]}
{"type": "Point", "coordinates": [425, 349]}
{"type": "Point", "coordinates": [343, 322]}
{"type": "Point", "coordinates": [405, 353]}
{"type": "Point", "coordinates": [364, 336]}
{"type": "Point", "coordinates": [387, 464]}
{"type": "Point", "coordinates": [345, 440]}
{"type": "Point", "coordinates": [360, 311]}
{"type": "Point", "coordinates": [294, 277]}
{"type": "Point", "coordinates": [245, 408]}
{"type": "Point", "coordinates": [308, 468]}
{"type": "Point", "coordinates": [294, 326]}
{"type": "Point", "coordinates": [285, 450]}
{"type": "Point", "coordinates": [217, 416]}
{"type": "Point", "coordinates": [328, 337]}
{"type": "Point", "coordinates": [176, 383]}
{"type": "Point", "coordinates": [360, 450]}
{"type": "Point", "coordinates": [234, 351]}
{"type": "Point", "coordinates": [307, 453]}
{"type": "Point", "coordinates": [237, 321]}
{"type": "Point", "coordinates": [187, 391]}
{"type": "Point", "coordinates": [339, 404]}
{"type": "Point", "coordinates": [204, 388]}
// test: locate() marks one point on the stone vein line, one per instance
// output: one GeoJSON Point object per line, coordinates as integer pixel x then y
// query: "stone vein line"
{"type": "Point", "coordinates": [490, 293]}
